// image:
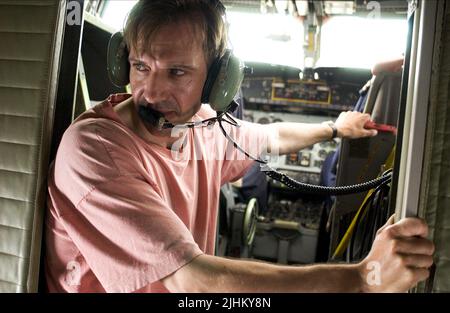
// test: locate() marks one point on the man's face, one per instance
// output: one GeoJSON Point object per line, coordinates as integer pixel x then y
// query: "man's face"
{"type": "Point", "coordinates": [169, 77]}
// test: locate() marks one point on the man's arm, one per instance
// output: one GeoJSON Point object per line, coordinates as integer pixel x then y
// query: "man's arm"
{"type": "Point", "coordinates": [400, 256]}
{"type": "Point", "coordinates": [293, 137]}
{"type": "Point", "coordinates": [216, 274]}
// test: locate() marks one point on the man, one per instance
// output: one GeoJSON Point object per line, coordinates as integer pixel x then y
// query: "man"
{"type": "Point", "coordinates": [125, 215]}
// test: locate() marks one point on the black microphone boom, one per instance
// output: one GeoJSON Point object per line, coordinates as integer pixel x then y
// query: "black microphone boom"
{"type": "Point", "coordinates": [157, 119]}
{"type": "Point", "coordinates": [154, 117]}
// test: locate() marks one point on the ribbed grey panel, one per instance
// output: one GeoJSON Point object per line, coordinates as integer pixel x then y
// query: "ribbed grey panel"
{"type": "Point", "coordinates": [14, 213]}
{"type": "Point", "coordinates": [27, 16]}
{"type": "Point", "coordinates": [29, 58]}
{"type": "Point", "coordinates": [12, 271]}
{"type": "Point", "coordinates": [11, 96]}
{"type": "Point", "coordinates": [17, 157]}
{"type": "Point", "coordinates": [435, 194]}
{"type": "Point", "coordinates": [20, 186]}
{"type": "Point", "coordinates": [38, 41]}
{"type": "Point", "coordinates": [16, 244]}
{"type": "Point", "coordinates": [25, 134]}
{"type": "Point", "coordinates": [8, 287]}
{"type": "Point", "coordinates": [22, 74]}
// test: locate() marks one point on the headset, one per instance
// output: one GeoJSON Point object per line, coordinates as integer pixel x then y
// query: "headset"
{"type": "Point", "coordinates": [223, 81]}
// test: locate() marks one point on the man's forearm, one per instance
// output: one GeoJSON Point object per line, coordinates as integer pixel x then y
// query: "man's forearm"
{"type": "Point", "coordinates": [214, 274]}
{"type": "Point", "coordinates": [293, 137]}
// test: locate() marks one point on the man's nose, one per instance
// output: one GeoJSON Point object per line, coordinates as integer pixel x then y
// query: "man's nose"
{"type": "Point", "coordinates": [155, 88]}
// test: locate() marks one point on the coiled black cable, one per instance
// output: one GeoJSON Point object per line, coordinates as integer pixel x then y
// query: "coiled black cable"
{"type": "Point", "coordinates": [302, 187]}
{"type": "Point", "coordinates": [325, 190]}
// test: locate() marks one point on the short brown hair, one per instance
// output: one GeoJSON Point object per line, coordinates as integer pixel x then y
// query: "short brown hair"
{"type": "Point", "coordinates": [147, 16]}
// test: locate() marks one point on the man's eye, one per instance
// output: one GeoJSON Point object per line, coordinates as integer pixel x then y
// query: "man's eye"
{"type": "Point", "coordinates": [177, 72]}
{"type": "Point", "coordinates": [139, 67]}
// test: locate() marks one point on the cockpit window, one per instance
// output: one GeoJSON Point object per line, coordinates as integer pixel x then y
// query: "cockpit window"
{"type": "Point", "coordinates": [268, 38]}
{"type": "Point", "coordinates": [116, 11]}
{"type": "Point", "coordinates": [350, 41]}
{"type": "Point", "coordinates": [346, 41]}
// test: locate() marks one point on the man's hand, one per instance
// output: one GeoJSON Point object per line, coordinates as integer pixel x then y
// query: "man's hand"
{"type": "Point", "coordinates": [399, 258]}
{"type": "Point", "coordinates": [394, 65]}
{"type": "Point", "coordinates": [350, 124]}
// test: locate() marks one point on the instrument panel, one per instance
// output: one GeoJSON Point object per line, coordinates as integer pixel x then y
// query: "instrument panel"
{"type": "Point", "coordinates": [295, 94]}
{"type": "Point", "coordinates": [304, 213]}
{"type": "Point", "coordinates": [304, 165]}
{"type": "Point", "coordinates": [278, 88]}
{"type": "Point", "coordinates": [288, 232]}
{"type": "Point", "coordinates": [301, 91]}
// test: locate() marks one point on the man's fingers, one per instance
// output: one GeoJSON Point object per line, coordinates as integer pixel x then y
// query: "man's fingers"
{"type": "Point", "coordinates": [408, 227]}
{"type": "Point", "coordinates": [420, 274]}
{"type": "Point", "coordinates": [366, 117]}
{"type": "Point", "coordinates": [413, 246]}
{"type": "Point", "coordinates": [370, 133]}
{"type": "Point", "coordinates": [389, 222]}
{"type": "Point", "coordinates": [417, 260]}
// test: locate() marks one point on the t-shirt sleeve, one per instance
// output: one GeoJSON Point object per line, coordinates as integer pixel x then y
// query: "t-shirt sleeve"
{"type": "Point", "coordinates": [255, 139]}
{"type": "Point", "coordinates": [128, 235]}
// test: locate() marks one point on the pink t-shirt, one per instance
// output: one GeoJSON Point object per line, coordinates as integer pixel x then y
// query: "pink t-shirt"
{"type": "Point", "coordinates": [124, 213]}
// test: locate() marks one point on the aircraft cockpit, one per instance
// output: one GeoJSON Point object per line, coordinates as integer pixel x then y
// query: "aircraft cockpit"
{"type": "Point", "coordinates": [306, 62]}
{"type": "Point", "coordinates": [312, 61]}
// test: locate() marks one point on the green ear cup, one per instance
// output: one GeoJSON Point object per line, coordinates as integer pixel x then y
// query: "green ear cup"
{"type": "Point", "coordinates": [227, 82]}
{"type": "Point", "coordinates": [117, 61]}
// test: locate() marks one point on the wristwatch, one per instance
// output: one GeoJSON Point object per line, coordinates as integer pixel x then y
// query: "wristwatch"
{"type": "Point", "coordinates": [334, 128]}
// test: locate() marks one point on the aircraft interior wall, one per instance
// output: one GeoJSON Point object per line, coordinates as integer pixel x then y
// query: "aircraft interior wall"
{"type": "Point", "coordinates": [435, 189]}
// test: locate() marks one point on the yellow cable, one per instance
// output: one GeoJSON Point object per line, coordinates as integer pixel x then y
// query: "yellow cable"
{"type": "Point", "coordinates": [348, 234]}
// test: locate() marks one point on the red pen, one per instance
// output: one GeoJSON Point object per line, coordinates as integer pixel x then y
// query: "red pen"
{"type": "Point", "coordinates": [381, 127]}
